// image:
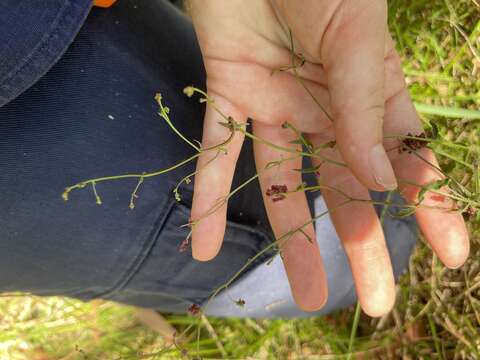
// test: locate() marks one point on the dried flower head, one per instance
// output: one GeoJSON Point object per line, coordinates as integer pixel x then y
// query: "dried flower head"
{"type": "Point", "coordinates": [409, 144]}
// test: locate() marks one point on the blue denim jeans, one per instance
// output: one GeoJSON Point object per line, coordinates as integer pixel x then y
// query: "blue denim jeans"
{"type": "Point", "coordinates": [94, 114]}
{"type": "Point", "coordinates": [34, 35]}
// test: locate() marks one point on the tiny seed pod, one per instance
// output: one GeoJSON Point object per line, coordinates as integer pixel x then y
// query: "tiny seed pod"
{"type": "Point", "coordinates": [189, 91]}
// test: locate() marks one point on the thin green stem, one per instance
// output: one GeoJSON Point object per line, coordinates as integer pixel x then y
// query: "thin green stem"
{"type": "Point", "coordinates": [427, 140]}
{"type": "Point", "coordinates": [300, 80]}
{"type": "Point", "coordinates": [164, 111]}
{"type": "Point", "coordinates": [276, 243]}
{"type": "Point", "coordinates": [291, 150]}
{"type": "Point", "coordinates": [353, 334]}
{"type": "Point", "coordinates": [134, 193]}
{"type": "Point", "coordinates": [82, 184]}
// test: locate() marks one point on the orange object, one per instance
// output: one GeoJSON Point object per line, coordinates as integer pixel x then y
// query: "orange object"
{"type": "Point", "coordinates": [103, 3]}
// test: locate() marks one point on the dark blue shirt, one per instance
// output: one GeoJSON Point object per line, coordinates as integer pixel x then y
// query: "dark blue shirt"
{"type": "Point", "coordinates": [33, 36]}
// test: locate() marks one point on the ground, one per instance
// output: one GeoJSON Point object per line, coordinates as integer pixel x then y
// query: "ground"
{"type": "Point", "coordinates": [437, 314]}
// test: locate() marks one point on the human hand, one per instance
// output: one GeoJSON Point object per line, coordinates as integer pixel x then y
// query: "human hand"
{"type": "Point", "coordinates": [353, 70]}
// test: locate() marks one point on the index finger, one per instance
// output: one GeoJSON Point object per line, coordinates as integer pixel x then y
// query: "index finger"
{"type": "Point", "coordinates": [215, 169]}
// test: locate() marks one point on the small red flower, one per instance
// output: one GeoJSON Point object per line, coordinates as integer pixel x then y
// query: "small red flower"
{"type": "Point", "coordinates": [184, 245]}
{"type": "Point", "coordinates": [277, 192]}
{"type": "Point", "coordinates": [410, 145]}
{"type": "Point", "coordinates": [194, 309]}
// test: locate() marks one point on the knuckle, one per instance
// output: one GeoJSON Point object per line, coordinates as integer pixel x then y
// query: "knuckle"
{"type": "Point", "coordinates": [367, 250]}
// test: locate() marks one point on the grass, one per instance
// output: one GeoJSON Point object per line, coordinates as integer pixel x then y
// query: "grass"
{"type": "Point", "coordinates": [437, 314]}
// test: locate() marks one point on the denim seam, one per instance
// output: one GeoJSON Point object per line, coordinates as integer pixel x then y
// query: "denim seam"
{"type": "Point", "coordinates": [257, 231]}
{"type": "Point", "coordinates": [153, 238]}
{"type": "Point", "coordinates": [147, 246]}
{"type": "Point", "coordinates": [36, 61]}
{"type": "Point", "coordinates": [264, 238]}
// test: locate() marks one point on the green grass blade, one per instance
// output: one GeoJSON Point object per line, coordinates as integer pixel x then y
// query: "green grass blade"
{"type": "Point", "coordinates": [450, 112]}
{"type": "Point", "coordinates": [353, 334]}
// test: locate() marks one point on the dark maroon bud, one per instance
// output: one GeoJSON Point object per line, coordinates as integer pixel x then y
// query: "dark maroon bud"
{"type": "Point", "coordinates": [184, 245]}
{"type": "Point", "coordinates": [194, 309]}
{"type": "Point", "coordinates": [410, 145]}
{"type": "Point", "coordinates": [240, 302]}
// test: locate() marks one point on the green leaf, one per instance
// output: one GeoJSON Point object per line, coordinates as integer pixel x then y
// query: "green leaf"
{"type": "Point", "coordinates": [434, 132]}
{"type": "Point", "coordinates": [436, 185]}
{"type": "Point", "coordinates": [449, 112]}
{"type": "Point", "coordinates": [296, 142]}
{"type": "Point", "coordinates": [328, 144]}
{"type": "Point", "coordinates": [449, 167]}
{"type": "Point", "coordinates": [406, 212]}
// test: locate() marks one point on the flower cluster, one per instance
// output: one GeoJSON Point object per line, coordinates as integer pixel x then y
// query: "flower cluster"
{"type": "Point", "coordinates": [470, 213]}
{"type": "Point", "coordinates": [277, 192]}
{"type": "Point", "coordinates": [409, 144]}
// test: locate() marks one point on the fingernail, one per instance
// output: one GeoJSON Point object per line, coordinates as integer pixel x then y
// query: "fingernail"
{"type": "Point", "coordinates": [381, 168]}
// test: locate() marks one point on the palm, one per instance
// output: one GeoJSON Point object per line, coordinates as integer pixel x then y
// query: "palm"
{"type": "Point", "coordinates": [242, 46]}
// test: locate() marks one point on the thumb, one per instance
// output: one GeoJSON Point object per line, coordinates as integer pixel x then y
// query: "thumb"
{"type": "Point", "coordinates": [352, 52]}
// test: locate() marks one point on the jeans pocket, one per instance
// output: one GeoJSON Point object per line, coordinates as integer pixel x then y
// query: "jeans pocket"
{"type": "Point", "coordinates": [170, 280]}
